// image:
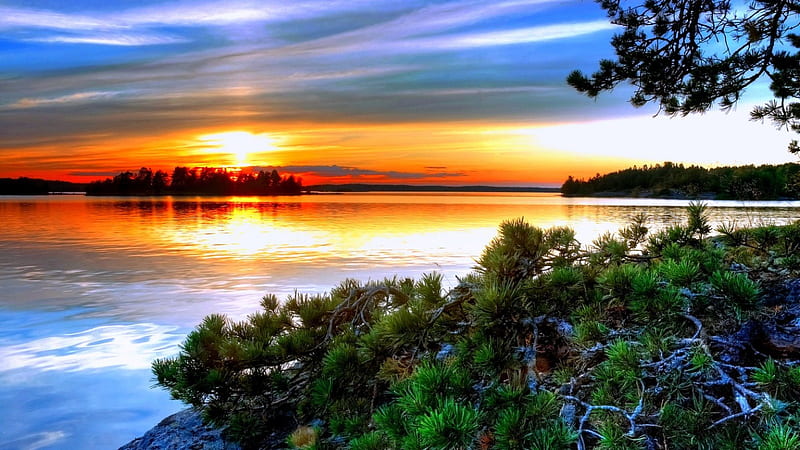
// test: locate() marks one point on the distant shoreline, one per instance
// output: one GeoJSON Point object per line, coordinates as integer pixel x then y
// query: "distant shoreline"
{"type": "Point", "coordinates": [675, 181]}
{"type": "Point", "coordinates": [360, 187]}
{"type": "Point", "coordinates": [42, 185]}
{"type": "Point", "coordinates": [672, 195]}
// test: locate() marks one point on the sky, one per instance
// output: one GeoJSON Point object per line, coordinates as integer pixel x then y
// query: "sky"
{"type": "Point", "coordinates": [453, 92]}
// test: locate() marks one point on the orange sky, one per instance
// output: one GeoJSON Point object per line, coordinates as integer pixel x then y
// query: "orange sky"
{"type": "Point", "coordinates": [460, 153]}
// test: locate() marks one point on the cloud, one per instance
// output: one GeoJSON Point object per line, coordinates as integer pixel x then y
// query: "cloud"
{"type": "Point", "coordinates": [60, 100]}
{"type": "Point", "coordinates": [11, 18]}
{"type": "Point", "coordinates": [126, 40]}
{"type": "Point", "coordinates": [183, 14]}
{"type": "Point", "coordinates": [138, 23]}
{"type": "Point", "coordinates": [129, 28]}
{"type": "Point", "coordinates": [355, 172]}
{"type": "Point", "coordinates": [95, 173]}
{"type": "Point", "coordinates": [521, 35]}
{"type": "Point", "coordinates": [193, 15]}
{"type": "Point", "coordinates": [399, 34]}
{"type": "Point", "coordinates": [41, 439]}
{"type": "Point", "coordinates": [221, 13]}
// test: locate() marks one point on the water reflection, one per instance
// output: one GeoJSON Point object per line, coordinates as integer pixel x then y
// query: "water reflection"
{"type": "Point", "coordinates": [93, 289]}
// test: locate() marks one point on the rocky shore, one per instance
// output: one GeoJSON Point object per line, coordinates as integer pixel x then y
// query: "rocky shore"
{"type": "Point", "coordinates": [181, 431]}
{"type": "Point", "coordinates": [185, 430]}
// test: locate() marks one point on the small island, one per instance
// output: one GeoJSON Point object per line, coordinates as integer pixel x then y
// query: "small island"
{"type": "Point", "coordinates": [197, 181]}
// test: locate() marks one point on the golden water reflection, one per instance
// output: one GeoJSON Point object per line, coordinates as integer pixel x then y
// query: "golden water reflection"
{"type": "Point", "coordinates": [385, 229]}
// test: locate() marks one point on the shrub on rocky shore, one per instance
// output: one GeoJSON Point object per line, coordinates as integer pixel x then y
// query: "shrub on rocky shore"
{"type": "Point", "coordinates": [665, 340]}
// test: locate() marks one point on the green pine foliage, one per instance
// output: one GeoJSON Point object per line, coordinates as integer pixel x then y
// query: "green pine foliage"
{"type": "Point", "coordinates": [736, 288]}
{"type": "Point", "coordinates": [546, 345]}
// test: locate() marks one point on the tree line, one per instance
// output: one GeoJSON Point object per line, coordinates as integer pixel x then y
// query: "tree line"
{"type": "Point", "coordinates": [749, 182]}
{"type": "Point", "coordinates": [37, 186]}
{"type": "Point", "coordinates": [197, 181]}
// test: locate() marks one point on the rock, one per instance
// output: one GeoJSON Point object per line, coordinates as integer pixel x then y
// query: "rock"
{"type": "Point", "coordinates": [778, 291]}
{"type": "Point", "coordinates": [182, 431]}
{"type": "Point", "coordinates": [776, 335]}
{"type": "Point", "coordinates": [736, 348]}
{"type": "Point", "coordinates": [777, 341]}
{"type": "Point", "coordinates": [779, 335]}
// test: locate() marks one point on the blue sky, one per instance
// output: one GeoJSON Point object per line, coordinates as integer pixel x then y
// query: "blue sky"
{"type": "Point", "coordinates": [83, 75]}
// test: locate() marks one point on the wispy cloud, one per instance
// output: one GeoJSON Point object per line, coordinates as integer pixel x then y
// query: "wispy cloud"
{"type": "Point", "coordinates": [332, 171]}
{"type": "Point", "coordinates": [125, 40]}
{"type": "Point", "coordinates": [129, 28]}
{"type": "Point", "coordinates": [94, 27]}
{"type": "Point", "coordinates": [61, 100]}
{"type": "Point", "coordinates": [400, 33]}
{"type": "Point", "coordinates": [92, 173]}
{"type": "Point", "coordinates": [38, 18]}
{"type": "Point", "coordinates": [183, 14]}
{"type": "Point", "coordinates": [203, 14]}
{"type": "Point", "coordinates": [522, 35]}
{"type": "Point", "coordinates": [194, 14]}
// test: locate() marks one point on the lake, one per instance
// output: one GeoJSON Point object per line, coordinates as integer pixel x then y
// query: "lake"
{"type": "Point", "coordinates": [93, 289]}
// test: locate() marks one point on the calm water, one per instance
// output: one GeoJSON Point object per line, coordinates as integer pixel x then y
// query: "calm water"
{"type": "Point", "coordinates": [93, 289]}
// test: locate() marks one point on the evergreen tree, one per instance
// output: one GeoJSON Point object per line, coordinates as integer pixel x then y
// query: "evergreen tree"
{"type": "Point", "coordinates": [688, 55]}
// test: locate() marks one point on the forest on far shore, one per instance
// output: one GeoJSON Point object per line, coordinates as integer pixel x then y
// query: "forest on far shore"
{"type": "Point", "coordinates": [668, 180]}
{"type": "Point", "coordinates": [37, 186]}
{"type": "Point", "coordinates": [196, 181]}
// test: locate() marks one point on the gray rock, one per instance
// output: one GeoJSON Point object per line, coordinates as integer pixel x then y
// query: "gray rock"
{"type": "Point", "coordinates": [182, 431]}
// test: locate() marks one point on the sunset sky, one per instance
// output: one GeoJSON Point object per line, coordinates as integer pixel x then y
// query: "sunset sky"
{"type": "Point", "coordinates": [381, 91]}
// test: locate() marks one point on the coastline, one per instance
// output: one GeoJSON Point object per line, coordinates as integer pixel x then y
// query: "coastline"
{"type": "Point", "coordinates": [182, 430]}
{"type": "Point", "coordinates": [186, 430]}
{"type": "Point", "coordinates": [672, 195]}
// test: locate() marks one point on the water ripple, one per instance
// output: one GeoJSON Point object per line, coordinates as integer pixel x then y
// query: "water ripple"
{"type": "Point", "coordinates": [130, 346]}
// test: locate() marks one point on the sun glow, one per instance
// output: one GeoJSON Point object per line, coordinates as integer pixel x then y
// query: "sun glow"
{"type": "Point", "coordinates": [241, 146]}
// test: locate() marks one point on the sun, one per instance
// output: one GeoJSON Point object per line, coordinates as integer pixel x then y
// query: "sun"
{"type": "Point", "coordinates": [239, 145]}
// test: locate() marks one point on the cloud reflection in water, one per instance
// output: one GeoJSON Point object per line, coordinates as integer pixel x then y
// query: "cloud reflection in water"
{"type": "Point", "coordinates": [124, 346]}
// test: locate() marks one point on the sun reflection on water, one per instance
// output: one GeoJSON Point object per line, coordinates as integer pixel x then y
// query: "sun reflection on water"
{"type": "Point", "coordinates": [242, 232]}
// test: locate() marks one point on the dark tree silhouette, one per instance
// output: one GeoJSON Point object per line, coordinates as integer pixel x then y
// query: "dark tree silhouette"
{"type": "Point", "coordinates": [671, 180]}
{"type": "Point", "coordinates": [36, 186]}
{"type": "Point", "coordinates": [274, 179]}
{"type": "Point", "coordinates": [687, 55]}
{"type": "Point", "coordinates": [183, 179]}
{"type": "Point", "coordinates": [205, 181]}
{"type": "Point", "coordinates": [160, 182]}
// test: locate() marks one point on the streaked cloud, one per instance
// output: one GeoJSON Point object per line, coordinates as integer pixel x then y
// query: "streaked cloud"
{"type": "Point", "coordinates": [64, 99]}
{"type": "Point", "coordinates": [355, 172]}
{"type": "Point", "coordinates": [524, 35]}
{"type": "Point", "coordinates": [89, 173]}
{"type": "Point", "coordinates": [112, 39]}
{"type": "Point", "coordinates": [11, 18]}
{"type": "Point", "coordinates": [199, 14]}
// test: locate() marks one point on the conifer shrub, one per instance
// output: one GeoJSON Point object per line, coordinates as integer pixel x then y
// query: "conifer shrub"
{"type": "Point", "coordinates": [628, 343]}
